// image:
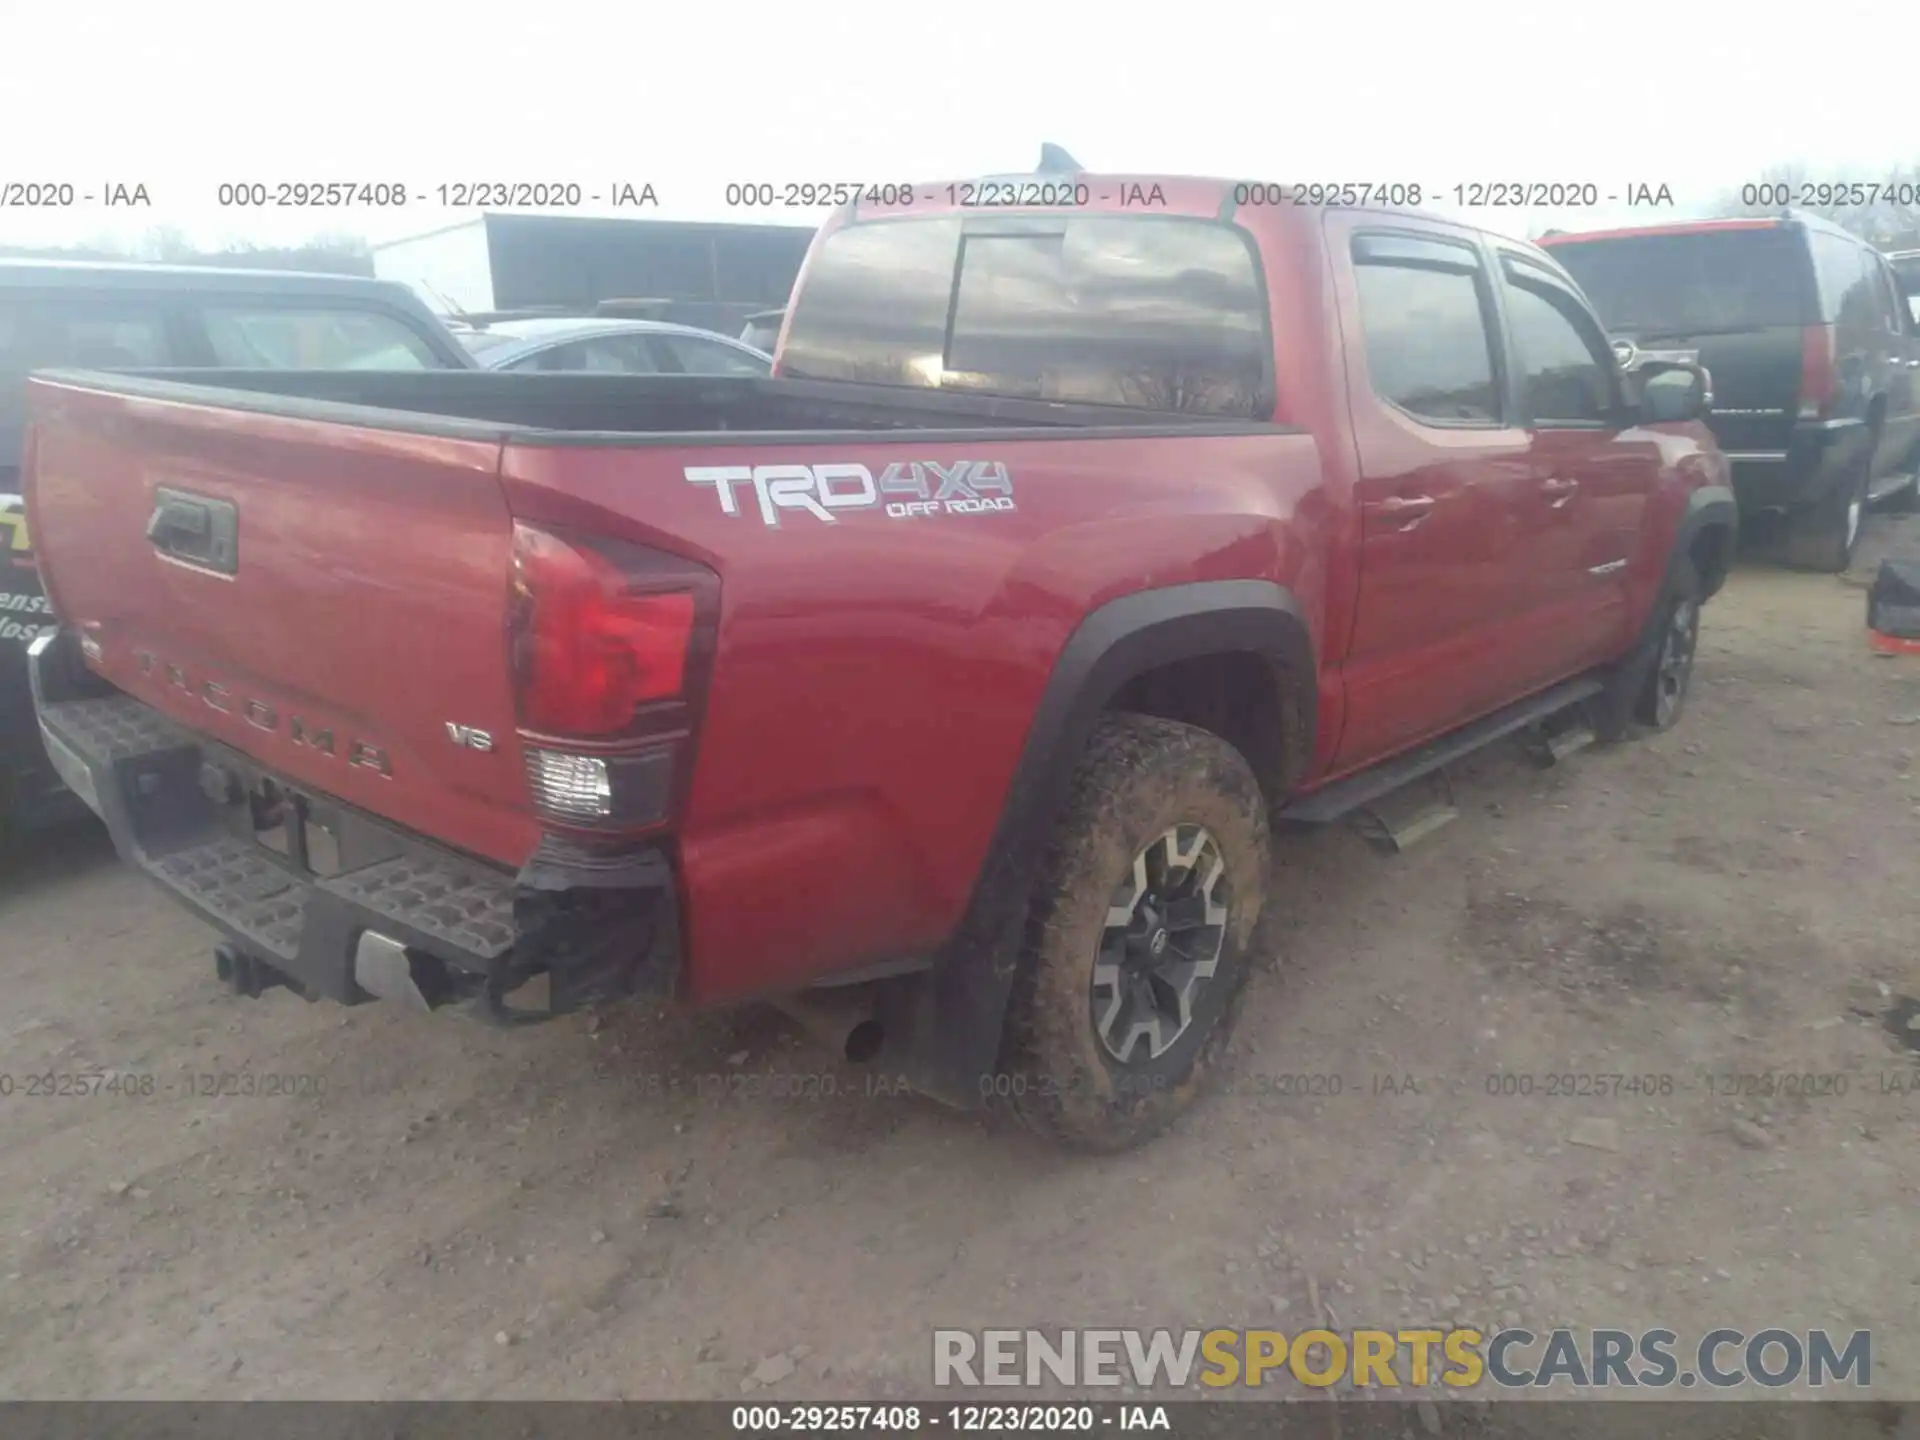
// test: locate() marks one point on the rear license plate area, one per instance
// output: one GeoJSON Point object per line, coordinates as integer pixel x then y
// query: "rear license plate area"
{"type": "Point", "coordinates": [294, 826]}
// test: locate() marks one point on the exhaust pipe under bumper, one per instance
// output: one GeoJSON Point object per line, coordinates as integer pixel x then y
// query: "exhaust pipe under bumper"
{"type": "Point", "coordinates": [844, 1020]}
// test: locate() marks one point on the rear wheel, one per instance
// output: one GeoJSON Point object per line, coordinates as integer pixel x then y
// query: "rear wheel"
{"type": "Point", "coordinates": [1136, 948]}
{"type": "Point", "coordinates": [1822, 537]}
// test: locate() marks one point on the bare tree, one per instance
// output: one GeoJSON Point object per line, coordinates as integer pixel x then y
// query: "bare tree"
{"type": "Point", "coordinates": [166, 244]}
{"type": "Point", "coordinates": [1182, 386]}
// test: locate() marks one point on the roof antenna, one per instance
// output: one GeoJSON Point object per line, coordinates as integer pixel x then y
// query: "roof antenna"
{"type": "Point", "coordinates": [1054, 161]}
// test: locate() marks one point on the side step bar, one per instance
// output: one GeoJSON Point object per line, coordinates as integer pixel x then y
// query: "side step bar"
{"type": "Point", "coordinates": [1397, 822]}
{"type": "Point", "coordinates": [1331, 802]}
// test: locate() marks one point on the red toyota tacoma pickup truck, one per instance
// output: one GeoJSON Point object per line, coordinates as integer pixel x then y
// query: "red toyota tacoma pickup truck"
{"type": "Point", "coordinates": [952, 676]}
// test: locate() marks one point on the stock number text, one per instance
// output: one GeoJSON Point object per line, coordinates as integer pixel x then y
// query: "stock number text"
{"type": "Point", "coordinates": [1843, 194]}
{"type": "Point", "coordinates": [807, 194]}
{"type": "Point", "coordinates": [1334, 195]}
{"type": "Point", "coordinates": [310, 194]}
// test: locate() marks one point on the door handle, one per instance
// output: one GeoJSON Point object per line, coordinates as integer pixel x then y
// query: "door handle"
{"type": "Point", "coordinates": [1561, 490]}
{"type": "Point", "coordinates": [1409, 510]}
{"type": "Point", "coordinates": [201, 531]}
{"type": "Point", "coordinates": [175, 521]}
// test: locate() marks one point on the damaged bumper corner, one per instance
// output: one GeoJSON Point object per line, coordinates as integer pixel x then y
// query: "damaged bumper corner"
{"type": "Point", "coordinates": [399, 917]}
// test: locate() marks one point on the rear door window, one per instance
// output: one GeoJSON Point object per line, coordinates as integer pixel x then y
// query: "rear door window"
{"type": "Point", "coordinates": [1154, 313]}
{"type": "Point", "coordinates": [1685, 283]}
{"type": "Point", "coordinates": [256, 336]}
{"type": "Point", "coordinates": [1886, 290]}
{"type": "Point", "coordinates": [1844, 272]}
{"type": "Point", "coordinates": [1424, 314]}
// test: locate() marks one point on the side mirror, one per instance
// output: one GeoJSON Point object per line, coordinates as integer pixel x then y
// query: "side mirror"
{"type": "Point", "coordinates": [1672, 392]}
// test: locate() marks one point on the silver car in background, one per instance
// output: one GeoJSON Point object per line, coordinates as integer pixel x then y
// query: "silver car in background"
{"type": "Point", "coordinates": [607, 346]}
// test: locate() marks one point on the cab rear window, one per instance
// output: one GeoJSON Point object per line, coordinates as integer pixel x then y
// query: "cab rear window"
{"type": "Point", "coordinates": [1696, 282]}
{"type": "Point", "coordinates": [1154, 313]}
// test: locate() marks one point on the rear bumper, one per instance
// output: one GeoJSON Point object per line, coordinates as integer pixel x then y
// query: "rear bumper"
{"type": "Point", "coordinates": [32, 796]}
{"type": "Point", "coordinates": [1815, 460]}
{"type": "Point", "coordinates": [382, 912]}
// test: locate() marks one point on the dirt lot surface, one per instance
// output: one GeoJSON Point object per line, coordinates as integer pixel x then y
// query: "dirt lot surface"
{"type": "Point", "coordinates": [472, 1213]}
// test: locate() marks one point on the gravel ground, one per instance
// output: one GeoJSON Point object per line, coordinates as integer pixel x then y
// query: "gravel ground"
{"type": "Point", "coordinates": [476, 1214]}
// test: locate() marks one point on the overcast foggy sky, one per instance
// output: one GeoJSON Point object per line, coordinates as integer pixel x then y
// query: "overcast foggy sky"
{"type": "Point", "coordinates": [689, 96]}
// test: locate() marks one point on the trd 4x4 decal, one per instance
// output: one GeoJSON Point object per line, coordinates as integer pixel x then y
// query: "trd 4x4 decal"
{"type": "Point", "coordinates": [924, 487]}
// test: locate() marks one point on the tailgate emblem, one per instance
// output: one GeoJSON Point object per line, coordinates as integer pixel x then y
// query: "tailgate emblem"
{"type": "Point", "coordinates": [318, 739]}
{"type": "Point", "coordinates": [467, 736]}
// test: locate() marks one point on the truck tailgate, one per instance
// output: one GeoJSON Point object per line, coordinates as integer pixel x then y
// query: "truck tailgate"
{"type": "Point", "coordinates": [325, 598]}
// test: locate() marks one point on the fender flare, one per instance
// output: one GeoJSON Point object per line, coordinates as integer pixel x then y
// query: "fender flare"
{"type": "Point", "coordinates": [958, 1014]}
{"type": "Point", "coordinates": [1709, 507]}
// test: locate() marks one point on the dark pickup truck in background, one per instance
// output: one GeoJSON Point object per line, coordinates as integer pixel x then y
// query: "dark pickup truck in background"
{"type": "Point", "coordinates": [1813, 349]}
{"type": "Point", "coordinates": [948, 680]}
{"type": "Point", "coordinates": [105, 316]}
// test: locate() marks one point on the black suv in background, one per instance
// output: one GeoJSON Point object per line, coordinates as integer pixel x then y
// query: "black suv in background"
{"type": "Point", "coordinates": [1813, 350]}
{"type": "Point", "coordinates": [102, 317]}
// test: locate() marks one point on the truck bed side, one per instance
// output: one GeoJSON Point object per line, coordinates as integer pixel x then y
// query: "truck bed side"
{"type": "Point", "coordinates": [877, 676]}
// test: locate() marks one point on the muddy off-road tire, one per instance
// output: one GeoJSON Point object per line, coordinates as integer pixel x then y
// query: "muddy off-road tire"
{"type": "Point", "coordinates": [1649, 689]}
{"type": "Point", "coordinates": [1135, 957]}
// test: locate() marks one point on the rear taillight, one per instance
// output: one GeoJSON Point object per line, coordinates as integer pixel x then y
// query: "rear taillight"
{"type": "Point", "coordinates": [593, 643]}
{"type": "Point", "coordinates": [607, 644]}
{"type": "Point", "coordinates": [1818, 371]}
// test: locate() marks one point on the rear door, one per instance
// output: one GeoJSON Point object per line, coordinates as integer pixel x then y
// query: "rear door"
{"type": "Point", "coordinates": [1734, 294]}
{"type": "Point", "coordinates": [1867, 354]}
{"type": "Point", "coordinates": [1900, 424]}
{"type": "Point", "coordinates": [1445, 490]}
{"type": "Point", "coordinates": [1591, 480]}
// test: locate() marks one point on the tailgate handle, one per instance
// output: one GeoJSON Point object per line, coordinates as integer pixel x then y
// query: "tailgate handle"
{"type": "Point", "coordinates": [201, 531]}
